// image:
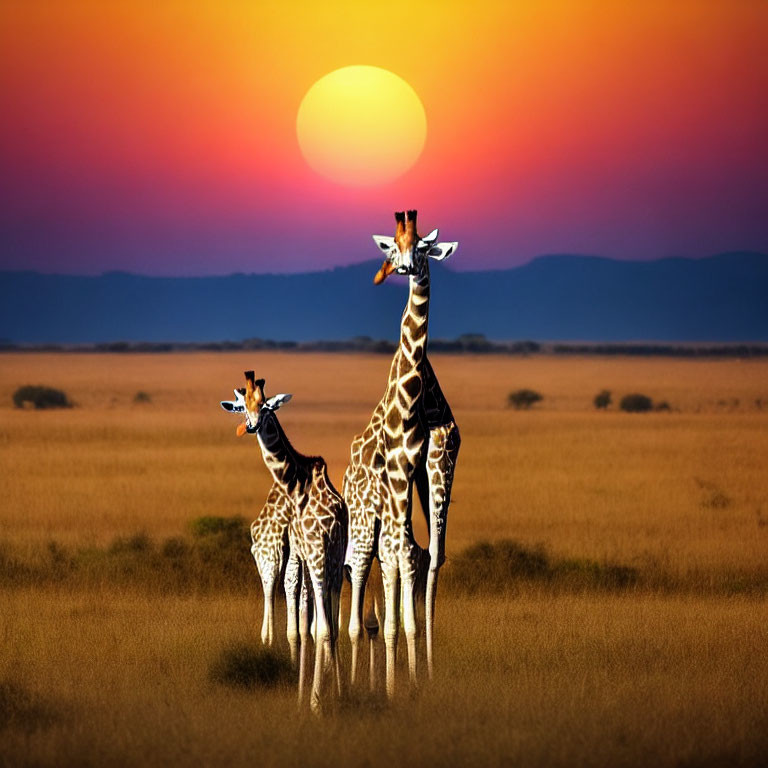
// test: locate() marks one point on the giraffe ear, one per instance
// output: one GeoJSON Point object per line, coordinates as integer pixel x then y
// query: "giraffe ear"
{"type": "Point", "coordinates": [442, 251]}
{"type": "Point", "coordinates": [232, 407]}
{"type": "Point", "coordinates": [275, 402]}
{"type": "Point", "coordinates": [428, 240]}
{"type": "Point", "coordinates": [385, 244]}
{"type": "Point", "coordinates": [237, 405]}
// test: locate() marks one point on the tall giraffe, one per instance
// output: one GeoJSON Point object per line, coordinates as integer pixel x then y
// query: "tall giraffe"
{"type": "Point", "coordinates": [434, 477]}
{"type": "Point", "coordinates": [387, 457]}
{"type": "Point", "coordinates": [317, 529]}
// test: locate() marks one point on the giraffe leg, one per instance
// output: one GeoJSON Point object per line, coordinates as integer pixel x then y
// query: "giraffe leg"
{"type": "Point", "coordinates": [323, 648]}
{"type": "Point", "coordinates": [430, 613]}
{"type": "Point", "coordinates": [441, 460]}
{"type": "Point", "coordinates": [373, 623]}
{"type": "Point", "coordinates": [355, 623]}
{"type": "Point", "coordinates": [359, 551]}
{"type": "Point", "coordinates": [390, 576]}
{"type": "Point", "coordinates": [305, 618]}
{"type": "Point", "coordinates": [436, 558]}
{"type": "Point", "coordinates": [359, 571]}
{"type": "Point", "coordinates": [335, 608]}
{"type": "Point", "coordinates": [263, 569]}
{"type": "Point", "coordinates": [329, 653]}
{"type": "Point", "coordinates": [267, 625]}
{"type": "Point", "coordinates": [292, 587]}
{"type": "Point", "coordinates": [408, 571]}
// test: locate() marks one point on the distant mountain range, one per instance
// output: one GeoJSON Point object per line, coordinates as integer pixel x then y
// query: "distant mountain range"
{"type": "Point", "coordinates": [556, 298]}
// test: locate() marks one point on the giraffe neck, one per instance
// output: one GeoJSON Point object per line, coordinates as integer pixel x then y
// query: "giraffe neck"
{"type": "Point", "coordinates": [281, 458]}
{"type": "Point", "coordinates": [409, 371]}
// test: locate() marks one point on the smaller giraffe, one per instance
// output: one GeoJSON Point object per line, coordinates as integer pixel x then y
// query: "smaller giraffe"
{"type": "Point", "coordinates": [317, 529]}
{"type": "Point", "coordinates": [270, 546]}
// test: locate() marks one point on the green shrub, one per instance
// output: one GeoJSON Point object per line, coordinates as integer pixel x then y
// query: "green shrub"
{"type": "Point", "coordinates": [662, 406]}
{"type": "Point", "coordinates": [487, 567]}
{"type": "Point", "coordinates": [174, 547]}
{"type": "Point", "coordinates": [602, 399]}
{"type": "Point", "coordinates": [636, 403]}
{"type": "Point", "coordinates": [522, 399]}
{"type": "Point", "coordinates": [499, 566]}
{"type": "Point", "coordinates": [40, 397]}
{"type": "Point", "coordinates": [142, 397]}
{"type": "Point", "coordinates": [211, 525]}
{"type": "Point", "coordinates": [246, 665]}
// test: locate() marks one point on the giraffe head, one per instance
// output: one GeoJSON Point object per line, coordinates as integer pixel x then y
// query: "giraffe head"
{"type": "Point", "coordinates": [250, 400]}
{"type": "Point", "coordinates": [407, 253]}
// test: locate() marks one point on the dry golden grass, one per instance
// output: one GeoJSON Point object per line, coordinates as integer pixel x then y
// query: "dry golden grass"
{"type": "Point", "coordinates": [630, 488]}
{"type": "Point", "coordinates": [569, 680]}
{"type": "Point", "coordinates": [669, 676]}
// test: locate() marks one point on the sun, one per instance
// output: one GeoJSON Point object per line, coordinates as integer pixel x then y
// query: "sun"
{"type": "Point", "coordinates": [361, 126]}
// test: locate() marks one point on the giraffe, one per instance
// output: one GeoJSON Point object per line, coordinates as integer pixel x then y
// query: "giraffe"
{"type": "Point", "coordinates": [317, 530]}
{"type": "Point", "coordinates": [398, 446]}
{"type": "Point", "coordinates": [434, 477]}
{"type": "Point", "coordinates": [269, 547]}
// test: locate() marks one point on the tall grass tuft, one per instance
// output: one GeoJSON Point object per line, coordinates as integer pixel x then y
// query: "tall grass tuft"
{"type": "Point", "coordinates": [247, 665]}
{"type": "Point", "coordinates": [21, 709]}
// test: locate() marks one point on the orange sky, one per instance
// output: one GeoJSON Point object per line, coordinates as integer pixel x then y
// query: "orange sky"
{"type": "Point", "coordinates": [161, 136]}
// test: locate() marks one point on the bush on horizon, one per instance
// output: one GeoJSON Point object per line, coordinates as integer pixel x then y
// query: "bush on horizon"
{"type": "Point", "coordinates": [602, 399]}
{"type": "Point", "coordinates": [523, 399]}
{"type": "Point", "coordinates": [40, 397]}
{"type": "Point", "coordinates": [636, 403]}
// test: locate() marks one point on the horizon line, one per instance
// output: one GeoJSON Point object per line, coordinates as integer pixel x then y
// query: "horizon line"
{"type": "Point", "coordinates": [374, 261]}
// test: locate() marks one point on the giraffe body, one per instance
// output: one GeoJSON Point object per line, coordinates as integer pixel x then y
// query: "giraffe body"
{"type": "Point", "coordinates": [365, 492]}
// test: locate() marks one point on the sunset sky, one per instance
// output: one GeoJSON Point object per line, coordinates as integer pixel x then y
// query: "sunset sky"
{"type": "Point", "coordinates": [160, 137]}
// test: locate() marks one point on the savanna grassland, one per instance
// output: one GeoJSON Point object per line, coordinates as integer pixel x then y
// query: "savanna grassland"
{"type": "Point", "coordinates": [603, 603]}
